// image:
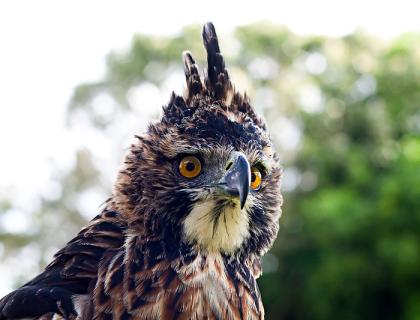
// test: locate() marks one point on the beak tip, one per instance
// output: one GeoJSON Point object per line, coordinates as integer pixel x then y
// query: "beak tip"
{"type": "Point", "coordinates": [243, 195]}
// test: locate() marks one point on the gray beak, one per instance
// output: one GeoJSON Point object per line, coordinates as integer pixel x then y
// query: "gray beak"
{"type": "Point", "coordinates": [237, 179]}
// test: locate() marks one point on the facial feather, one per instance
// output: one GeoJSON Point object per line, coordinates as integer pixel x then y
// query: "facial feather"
{"type": "Point", "coordinates": [217, 226]}
{"type": "Point", "coordinates": [210, 121]}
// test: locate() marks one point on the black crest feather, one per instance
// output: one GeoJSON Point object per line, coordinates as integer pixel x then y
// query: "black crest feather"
{"type": "Point", "coordinates": [216, 84]}
{"type": "Point", "coordinates": [192, 75]}
{"type": "Point", "coordinates": [217, 80]}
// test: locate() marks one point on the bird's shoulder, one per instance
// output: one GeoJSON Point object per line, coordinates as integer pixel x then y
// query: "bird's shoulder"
{"type": "Point", "coordinates": [73, 271]}
{"type": "Point", "coordinates": [80, 257]}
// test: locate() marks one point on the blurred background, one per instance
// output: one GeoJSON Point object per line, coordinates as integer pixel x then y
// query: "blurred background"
{"type": "Point", "coordinates": [338, 82]}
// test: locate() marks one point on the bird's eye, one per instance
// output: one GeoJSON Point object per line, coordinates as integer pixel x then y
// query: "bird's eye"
{"type": "Point", "coordinates": [256, 178]}
{"type": "Point", "coordinates": [190, 167]}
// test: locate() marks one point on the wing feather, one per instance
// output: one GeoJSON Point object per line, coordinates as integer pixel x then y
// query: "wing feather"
{"type": "Point", "coordinates": [72, 272]}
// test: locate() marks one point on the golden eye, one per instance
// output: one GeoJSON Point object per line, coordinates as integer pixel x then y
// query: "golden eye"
{"type": "Point", "coordinates": [190, 167]}
{"type": "Point", "coordinates": [256, 178]}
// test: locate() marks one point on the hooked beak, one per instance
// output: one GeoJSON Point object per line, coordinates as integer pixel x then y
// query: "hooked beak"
{"type": "Point", "coordinates": [237, 178]}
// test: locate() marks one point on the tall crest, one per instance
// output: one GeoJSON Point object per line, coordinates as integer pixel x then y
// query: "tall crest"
{"type": "Point", "coordinates": [215, 84]}
{"type": "Point", "coordinates": [216, 81]}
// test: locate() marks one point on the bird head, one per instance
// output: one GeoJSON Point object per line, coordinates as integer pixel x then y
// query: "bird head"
{"type": "Point", "coordinates": [206, 174]}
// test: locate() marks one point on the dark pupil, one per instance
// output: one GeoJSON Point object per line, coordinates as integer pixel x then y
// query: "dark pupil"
{"type": "Point", "coordinates": [190, 166]}
{"type": "Point", "coordinates": [253, 177]}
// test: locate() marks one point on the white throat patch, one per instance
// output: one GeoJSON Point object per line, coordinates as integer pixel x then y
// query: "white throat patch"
{"type": "Point", "coordinates": [217, 229]}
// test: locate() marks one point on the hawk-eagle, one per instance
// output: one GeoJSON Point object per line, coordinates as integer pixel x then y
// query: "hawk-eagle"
{"type": "Point", "coordinates": [195, 206]}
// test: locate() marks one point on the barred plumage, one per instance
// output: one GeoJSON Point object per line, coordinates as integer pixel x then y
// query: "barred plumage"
{"type": "Point", "coordinates": [169, 245]}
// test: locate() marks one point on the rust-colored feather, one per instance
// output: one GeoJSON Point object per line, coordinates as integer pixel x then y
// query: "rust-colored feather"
{"type": "Point", "coordinates": [202, 289]}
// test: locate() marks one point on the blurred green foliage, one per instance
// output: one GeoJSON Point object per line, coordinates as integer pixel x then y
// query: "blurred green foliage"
{"type": "Point", "coordinates": [345, 116]}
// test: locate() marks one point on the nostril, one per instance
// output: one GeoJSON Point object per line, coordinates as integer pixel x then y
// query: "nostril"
{"type": "Point", "coordinates": [229, 165]}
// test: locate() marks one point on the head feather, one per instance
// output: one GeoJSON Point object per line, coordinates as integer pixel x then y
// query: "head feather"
{"type": "Point", "coordinates": [211, 119]}
{"type": "Point", "coordinates": [217, 80]}
{"type": "Point", "coordinates": [215, 88]}
{"type": "Point", "coordinates": [216, 83]}
{"type": "Point", "coordinates": [194, 85]}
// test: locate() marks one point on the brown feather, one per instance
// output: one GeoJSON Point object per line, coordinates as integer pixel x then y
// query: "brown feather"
{"type": "Point", "coordinates": [134, 260]}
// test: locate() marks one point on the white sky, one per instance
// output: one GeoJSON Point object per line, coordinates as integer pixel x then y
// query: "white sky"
{"type": "Point", "coordinates": [48, 47]}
